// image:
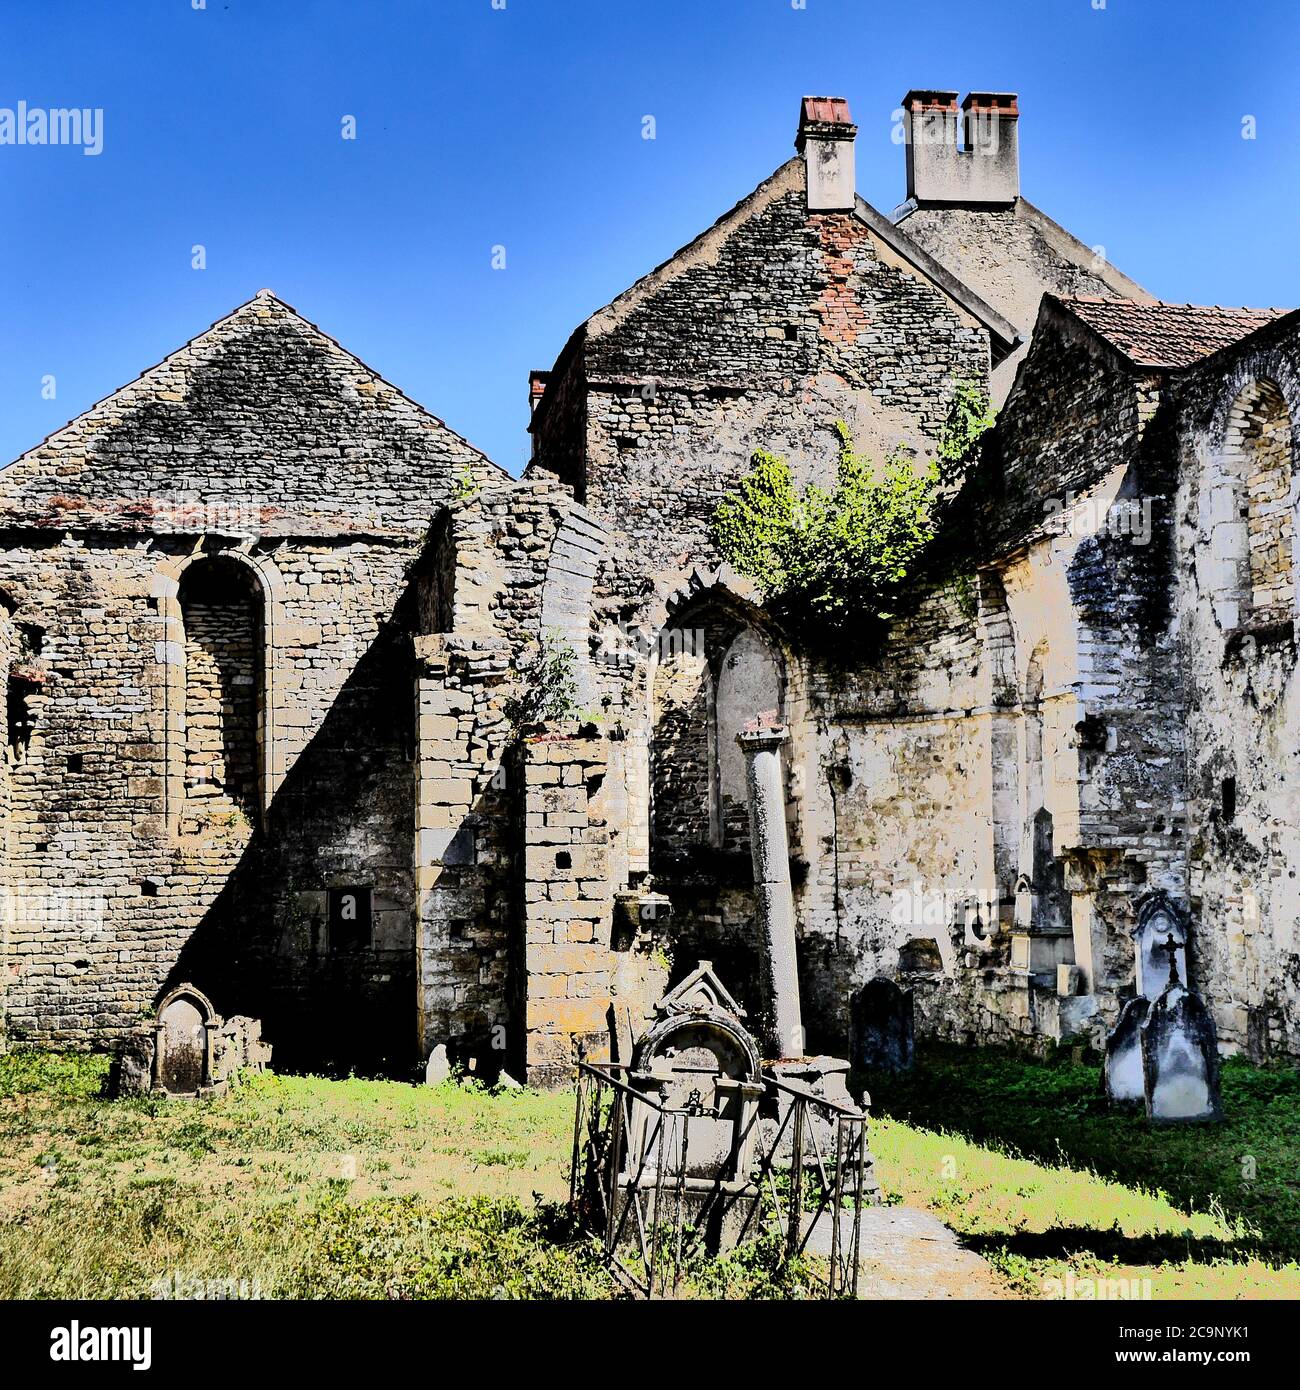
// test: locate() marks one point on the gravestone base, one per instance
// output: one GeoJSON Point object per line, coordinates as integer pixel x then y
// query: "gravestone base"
{"type": "Point", "coordinates": [721, 1213]}
{"type": "Point", "coordinates": [826, 1078]}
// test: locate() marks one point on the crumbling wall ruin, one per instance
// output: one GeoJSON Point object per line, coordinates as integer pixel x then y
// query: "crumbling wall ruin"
{"type": "Point", "coordinates": [265, 452]}
{"type": "Point", "coordinates": [1238, 440]}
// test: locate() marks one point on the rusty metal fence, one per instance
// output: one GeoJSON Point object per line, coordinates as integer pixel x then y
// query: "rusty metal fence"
{"type": "Point", "coordinates": [800, 1167]}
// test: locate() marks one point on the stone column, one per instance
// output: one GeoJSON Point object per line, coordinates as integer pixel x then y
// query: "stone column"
{"type": "Point", "coordinates": [773, 896]}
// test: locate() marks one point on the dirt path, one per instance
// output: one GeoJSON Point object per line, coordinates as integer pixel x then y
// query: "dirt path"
{"type": "Point", "coordinates": [910, 1253]}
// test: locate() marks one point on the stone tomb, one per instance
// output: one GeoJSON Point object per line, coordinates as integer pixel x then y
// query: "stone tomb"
{"type": "Point", "coordinates": [881, 1026]}
{"type": "Point", "coordinates": [699, 1061]}
{"type": "Point", "coordinates": [190, 1050]}
{"type": "Point", "coordinates": [1163, 1053]}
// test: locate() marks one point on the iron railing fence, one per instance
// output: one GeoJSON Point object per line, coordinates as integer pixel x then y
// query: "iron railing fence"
{"type": "Point", "coordinates": [631, 1187]}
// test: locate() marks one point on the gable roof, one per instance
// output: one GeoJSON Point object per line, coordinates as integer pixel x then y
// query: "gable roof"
{"type": "Point", "coordinates": [1165, 336]}
{"type": "Point", "coordinates": [788, 176]}
{"type": "Point", "coordinates": [196, 348]}
{"type": "Point", "coordinates": [120, 463]}
{"type": "Point", "coordinates": [1006, 336]}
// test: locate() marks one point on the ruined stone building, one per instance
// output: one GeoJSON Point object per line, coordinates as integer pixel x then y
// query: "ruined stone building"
{"type": "Point", "coordinates": [269, 627]}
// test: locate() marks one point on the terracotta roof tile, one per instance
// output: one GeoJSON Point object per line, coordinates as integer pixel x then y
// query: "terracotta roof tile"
{"type": "Point", "coordinates": [1166, 335]}
{"type": "Point", "coordinates": [825, 111]}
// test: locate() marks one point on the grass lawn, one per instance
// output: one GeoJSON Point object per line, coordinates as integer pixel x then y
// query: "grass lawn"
{"type": "Point", "coordinates": [1026, 1160]}
{"type": "Point", "coordinates": [303, 1187]}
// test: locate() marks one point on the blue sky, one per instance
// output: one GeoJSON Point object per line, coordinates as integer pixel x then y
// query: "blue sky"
{"type": "Point", "coordinates": [521, 127]}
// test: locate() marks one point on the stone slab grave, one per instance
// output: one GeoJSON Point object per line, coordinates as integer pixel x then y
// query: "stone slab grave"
{"type": "Point", "coordinates": [881, 1026]}
{"type": "Point", "coordinates": [189, 1050]}
{"type": "Point", "coordinates": [1125, 1084]}
{"type": "Point", "coordinates": [1180, 1055]}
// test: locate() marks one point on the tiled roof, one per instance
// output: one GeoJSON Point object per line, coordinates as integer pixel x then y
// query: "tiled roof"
{"type": "Point", "coordinates": [1166, 335]}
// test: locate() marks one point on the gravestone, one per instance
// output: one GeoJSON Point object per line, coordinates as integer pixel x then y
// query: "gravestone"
{"type": "Point", "coordinates": [1123, 1072]}
{"type": "Point", "coordinates": [188, 1050]}
{"type": "Point", "coordinates": [182, 1065]}
{"type": "Point", "coordinates": [698, 1059]}
{"type": "Point", "coordinates": [1160, 921]}
{"type": "Point", "coordinates": [881, 1025]}
{"type": "Point", "coordinates": [1180, 1056]}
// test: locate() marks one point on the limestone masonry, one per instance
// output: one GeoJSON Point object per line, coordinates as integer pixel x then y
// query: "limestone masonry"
{"type": "Point", "coordinates": [272, 630]}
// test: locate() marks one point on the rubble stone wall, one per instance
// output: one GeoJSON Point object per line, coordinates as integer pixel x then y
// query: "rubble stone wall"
{"type": "Point", "coordinates": [263, 442]}
{"type": "Point", "coordinates": [1243, 717]}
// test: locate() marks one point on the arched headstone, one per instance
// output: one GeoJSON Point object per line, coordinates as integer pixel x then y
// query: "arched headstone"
{"type": "Point", "coordinates": [699, 1060]}
{"type": "Point", "coordinates": [1160, 922]}
{"type": "Point", "coordinates": [183, 1046]}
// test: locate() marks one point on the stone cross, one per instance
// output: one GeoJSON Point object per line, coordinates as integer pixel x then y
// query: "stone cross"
{"type": "Point", "coordinates": [1171, 948]}
{"type": "Point", "coordinates": [773, 895]}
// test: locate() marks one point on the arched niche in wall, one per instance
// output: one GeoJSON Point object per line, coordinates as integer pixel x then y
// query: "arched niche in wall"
{"type": "Point", "coordinates": [750, 686]}
{"type": "Point", "coordinates": [1249, 507]}
{"type": "Point", "coordinates": [1032, 707]}
{"type": "Point", "coordinates": [682, 753]}
{"type": "Point", "coordinates": [999, 638]}
{"type": "Point", "coordinates": [224, 625]}
{"type": "Point", "coordinates": [715, 672]}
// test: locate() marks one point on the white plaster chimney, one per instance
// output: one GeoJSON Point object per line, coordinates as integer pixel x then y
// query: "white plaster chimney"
{"type": "Point", "coordinates": [825, 140]}
{"type": "Point", "coordinates": [979, 169]}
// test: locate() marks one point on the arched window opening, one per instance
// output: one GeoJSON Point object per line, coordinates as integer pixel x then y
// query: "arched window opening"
{"type": "Point", "coordinates": [222, 615]}
{"type": "Point", "coordinates": [749, 688]}
{"type": "Point", "coordinates": [715, 676]}
{"type": "Point", "coordinates": [1251, 523]}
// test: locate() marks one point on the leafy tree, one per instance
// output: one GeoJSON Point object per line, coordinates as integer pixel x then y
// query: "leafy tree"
{"type": "Point", "coordinates": [832, 563]}
{"type": "Point", "coordinates": [970, 417]}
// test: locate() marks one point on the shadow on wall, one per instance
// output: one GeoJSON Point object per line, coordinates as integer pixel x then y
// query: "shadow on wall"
{"type": "Point", "coordinates": [332, 997]}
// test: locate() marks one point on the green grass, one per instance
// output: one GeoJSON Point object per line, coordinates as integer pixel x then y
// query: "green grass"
{"type": "Point", "coordinates": [296, 1186]}
{"type": "Point", "coordinates": [1026, 1159]}
{"type": "Point", "coordinates": [301, 1187]}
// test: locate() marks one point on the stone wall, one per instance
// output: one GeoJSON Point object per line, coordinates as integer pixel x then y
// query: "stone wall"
{"type": "Point", "coordinates": [511, 566]}
{"type": "Point", "coordinates": [264, 444]}
{"type": "Point", "coordinates": [1243, 716]}
{"type": "Point", "coordinates": [565, 959]}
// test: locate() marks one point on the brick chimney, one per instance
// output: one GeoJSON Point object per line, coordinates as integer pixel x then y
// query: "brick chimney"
{"type": "Point", "coordinates": [981, 169]}
{"type": "Point", "coordinates": [825, 140]}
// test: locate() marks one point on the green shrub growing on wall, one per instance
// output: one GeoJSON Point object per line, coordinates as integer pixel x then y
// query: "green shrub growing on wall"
{"type": "Point", "coordinates": [548, 685]}
{"type": "Point", "coordinates": [831, 564]}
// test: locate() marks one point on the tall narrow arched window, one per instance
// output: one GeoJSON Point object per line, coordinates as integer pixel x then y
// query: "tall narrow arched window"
{"type": "Point", "coordinates": [1033, 715]}
{"type": "Point", "coordinates": [222, 616]}
{"type": "Point", "coordinates": [1250, 517]}
{"type": "Point", "coordinates": [750, 687]}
